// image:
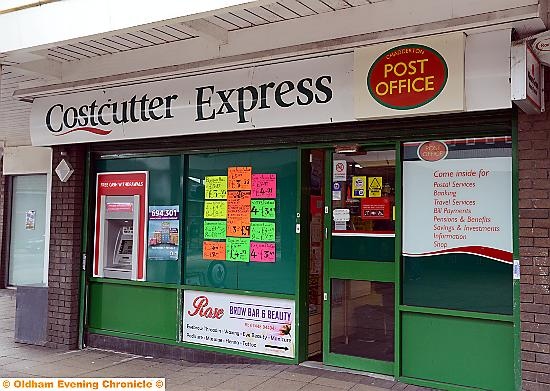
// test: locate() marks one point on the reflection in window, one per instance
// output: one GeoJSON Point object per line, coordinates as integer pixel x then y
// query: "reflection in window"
{"type": "Point", "coordinates": [363, 192]}
{"type": "Point", "coordinates": [362, 319]}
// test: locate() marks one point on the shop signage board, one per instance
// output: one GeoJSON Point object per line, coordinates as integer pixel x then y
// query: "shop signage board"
{"type": "Point", "coordinates": [527, 79]}
{"type": "Point", "coordinates": [410, 77]}
{"type": "Point", "coordinates": [541, 47]}
{"type": "Point", "coordinates": [301, 92]}
{"type": "Point", "coordinates": [461, 203]}
{"type": "Point", "coordinates": [248, 323]}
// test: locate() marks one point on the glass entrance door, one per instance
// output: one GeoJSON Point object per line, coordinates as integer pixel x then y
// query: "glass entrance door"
{"type": "Point", "coordinates": [359, 298]}
{"type": "Point", "coordinates": [28, 224]}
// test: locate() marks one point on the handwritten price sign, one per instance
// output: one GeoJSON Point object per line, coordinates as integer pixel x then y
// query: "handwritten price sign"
{"type": "Point", "coordinates": [262, 252]}
{"type": "Point", "coordinates": [239, 178]}
{"type": "Point", "coordinates": [264, 186]}
{"type": "Point", "coordinates": [214, 251]}
{"type": "Point", "coordinates": [262, 209]}
{"type": "Point", "coordinates": [215, 187]}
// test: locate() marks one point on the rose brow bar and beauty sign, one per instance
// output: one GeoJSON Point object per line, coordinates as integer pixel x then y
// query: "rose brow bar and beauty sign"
{"type": "Point", "coordinates": [301, 92]}
{"type": "Point", "coordinates": [248, 323]}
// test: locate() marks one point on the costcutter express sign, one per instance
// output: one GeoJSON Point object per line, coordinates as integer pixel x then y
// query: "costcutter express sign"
{"type": "Point", "coordinates": [293, 93]}
{"type": "Point", "coordinates": [420, 76]}
{"type": "Point", "coordinates": [247, 323]}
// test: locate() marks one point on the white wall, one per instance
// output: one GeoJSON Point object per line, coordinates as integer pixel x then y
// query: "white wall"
{"type": "Point", "coordinates": [27, 160]}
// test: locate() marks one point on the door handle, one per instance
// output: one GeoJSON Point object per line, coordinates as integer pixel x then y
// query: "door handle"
{"type": "Point", "coordinates": [326, 233]}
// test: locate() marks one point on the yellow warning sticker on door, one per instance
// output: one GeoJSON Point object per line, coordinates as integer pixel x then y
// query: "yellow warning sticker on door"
{"type": "Point", "coordinates": [358, 184]}
{"type": "Point", "coordinates": [375, 186]}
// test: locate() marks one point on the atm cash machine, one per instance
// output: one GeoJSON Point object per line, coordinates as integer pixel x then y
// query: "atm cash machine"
{"type": "Point", "coordinates": [119, 243]}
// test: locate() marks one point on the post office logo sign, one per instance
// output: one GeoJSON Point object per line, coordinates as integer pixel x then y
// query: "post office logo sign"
{"type": "Point", "coordinates": [407, 77]}
{"type": "Point", "coordinates": [416, 76]}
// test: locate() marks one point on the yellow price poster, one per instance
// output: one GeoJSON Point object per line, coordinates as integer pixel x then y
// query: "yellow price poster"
{"type": "Point", "coordinates": [358, 186]}
{"type": "Point", "coordinates": [375, 186]}
{"type": "Point", "coordinates": [215, 187]}
{"type": "Point", "coordinates": [215, 209]}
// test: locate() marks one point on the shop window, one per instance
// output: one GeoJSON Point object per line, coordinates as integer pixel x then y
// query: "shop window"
{"type": "Point", "coordinates": [28, 226]}
{"type": "Point", "coordinates": [241, 221]}
{"type": "Point", "coordinates": [457, 224]}
{"type": "Point", "coordinates": [363, 206]}
{"type": "Point", "coordinates": [145, 198]}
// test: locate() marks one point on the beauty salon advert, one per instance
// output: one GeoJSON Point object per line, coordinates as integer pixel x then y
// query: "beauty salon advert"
{"type": "Point", "coordinates": [253, 324]}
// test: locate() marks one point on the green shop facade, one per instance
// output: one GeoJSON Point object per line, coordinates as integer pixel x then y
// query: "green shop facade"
{"type": "Point", "coordinates": [353, 208]}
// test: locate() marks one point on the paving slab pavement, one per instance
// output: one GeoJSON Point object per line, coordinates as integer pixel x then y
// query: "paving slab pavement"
{"type": "Point", "coordinates": [21, 360]}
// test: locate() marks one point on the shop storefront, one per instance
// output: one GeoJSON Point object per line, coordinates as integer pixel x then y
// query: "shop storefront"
{"type": "Point", "coordinates": [354, 209]}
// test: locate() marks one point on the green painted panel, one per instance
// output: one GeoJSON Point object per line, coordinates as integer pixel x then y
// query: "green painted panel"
{"type": "Point", "coordinates": [277, 277]}
{"type": "Point", "coordinates": [469, 352]}
{"type": "Point", "coordinates": [458, 281]}
{"type": "Point", "coordinates": [134, 309]}
{"type": "Point", "coordinates": [362, 248]}
{"type": "Point", "coordinates": [362, 270]}
{"type": "Point", "coordinates": [165, 189]}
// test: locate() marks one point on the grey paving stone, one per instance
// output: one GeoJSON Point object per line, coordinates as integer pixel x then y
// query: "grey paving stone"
{"type": "Point", "coordinates": [316, 387]}
{"type": "Point", "coordinates": [241, 383]}
{"type": "Point", "coordinates": [8, 360]}
{"type": "Point", "coordinates": [334, 383]}
{"type": "Point", "coordinates": [275, 384]}
{"type": "Point", "coordinates": [209, 380]}
{"type": "Point", "coordinates": [54, 370]}
{"type": "Point", "coordinates": [366, 387]}
{"type": "Point", "coordinates": [388, 384]}
{"type": "Point", "coordinates": [289, 375]}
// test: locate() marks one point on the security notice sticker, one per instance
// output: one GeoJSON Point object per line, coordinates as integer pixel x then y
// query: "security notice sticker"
{"type": "Point", "coordinates": [252, 324]}
{"type": "Point", "coordinates": [358, 186]}
{"type": "Point", "coordinates": [339, 170]}
{"type": "Point", "coordinates": [375, 186]}
{"type": "Point", "coordinates": [375, 208]}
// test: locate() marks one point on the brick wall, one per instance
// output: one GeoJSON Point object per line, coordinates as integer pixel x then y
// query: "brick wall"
{"type": "Point", "coordinates": [65, 250]}
{"type": "Point", "coordinates": [534, 211]}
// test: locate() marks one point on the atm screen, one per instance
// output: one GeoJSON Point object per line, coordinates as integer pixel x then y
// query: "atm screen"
{"type": "Point", "coordinates": [125, 247]}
